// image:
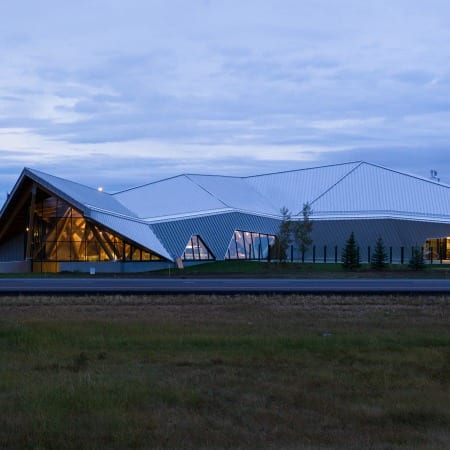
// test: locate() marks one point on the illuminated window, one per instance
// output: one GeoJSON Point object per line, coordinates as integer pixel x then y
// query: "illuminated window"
{"type": "Point", "coordinates": [196, 249]}
{"type": "Point", "coordinates": [249, 245]}
{"type": "Point", "coordinates": [60, 233]}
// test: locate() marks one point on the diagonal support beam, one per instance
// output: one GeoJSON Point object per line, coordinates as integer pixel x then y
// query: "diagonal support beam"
{"type": "Point", "coordinates": [31, 222]}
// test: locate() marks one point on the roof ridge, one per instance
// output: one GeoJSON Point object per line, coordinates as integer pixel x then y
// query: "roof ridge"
{"type": "Point", "coordinates": [360, 163]}
{"type": "Point", "coordinates": [206, 190]}
{"type": "Point", "coordinates": [40, 173]}
{"type": "Point", "coordinates": [151, 182]}
{"type": "Point", "coordinates": [303, 169]}
{"type": "Point", "coordinates": [407, 174]}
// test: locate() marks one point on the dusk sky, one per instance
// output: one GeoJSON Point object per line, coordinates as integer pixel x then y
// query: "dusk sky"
{"type": "Point", "coordinates": [118, 93]}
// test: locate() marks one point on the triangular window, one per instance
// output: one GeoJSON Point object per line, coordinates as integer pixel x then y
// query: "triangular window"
{"type": "Point", "coordinates": [196, 249]}
{"type": "Point", "coordinates": [249, 245]}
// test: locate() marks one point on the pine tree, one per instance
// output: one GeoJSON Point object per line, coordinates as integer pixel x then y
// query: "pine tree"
{"type": "Point", "coordinates": [379, 257]}
{"type": "Point", "coordinates": [417, 261]}
{"type": "Point", "coordinates": [302, 230]}
{"type": "Point", "coordinates": [350, 255]}
{"type": "Point", "coordinates": [283, 237]}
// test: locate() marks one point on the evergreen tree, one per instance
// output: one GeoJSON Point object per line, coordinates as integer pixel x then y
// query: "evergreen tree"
{"type": "Point", "coordinates": [302, 230]}
{"type": "Point", "coordinates": [379, 257]}
{"type": "Point", "coordinates": [417, 261]}
{"type": "Point", "coordinates": [350, 255]}
{"type": "Point", "coordinates": [283, 237]}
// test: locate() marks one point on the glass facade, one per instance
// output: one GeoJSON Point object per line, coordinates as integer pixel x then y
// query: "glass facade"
{"type": "Point", "coordinates": [60, 233]}
{"type": "Point", "coordinates": [437, 249]}
{"type": "Point", "coordinates": [196, 249]}
{"type": "Point", "coordinates": [249, 245]}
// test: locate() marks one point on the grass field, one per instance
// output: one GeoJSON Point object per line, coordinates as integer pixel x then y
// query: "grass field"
{"type": "Point", "coordinates": [303, 372]}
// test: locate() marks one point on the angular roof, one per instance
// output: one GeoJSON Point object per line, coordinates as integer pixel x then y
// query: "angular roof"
{"type": "Point", "coordinates": [78, 194]}
{"type": "Point", "coordinates": [350, 190]}
{"type": "Point", "coordinates": [374, 191]}
{"type": "Point", "coordinates": [355, 190]}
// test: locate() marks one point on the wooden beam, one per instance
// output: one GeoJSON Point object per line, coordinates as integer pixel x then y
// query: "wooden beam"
{"type": "Point", "coordinates": [102, 243]}
{"type": "Point", "coordinates": [31, 222]}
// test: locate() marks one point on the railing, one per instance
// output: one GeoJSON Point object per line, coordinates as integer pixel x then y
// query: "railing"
{"type": "Point", "coordinates": [333, 254]}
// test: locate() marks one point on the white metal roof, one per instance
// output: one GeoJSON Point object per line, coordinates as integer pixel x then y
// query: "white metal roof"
{"type": "Point", "coordinates": [79, 194]}
{"type": "Point", "coordinates": [138, 232]}
{"type": "Point", "coordinates": [351, 190]}
{"type": "Point", "coordinates": [370, 191]}
{"type": "Point", "coordinates": [170, 197]}
{"type": "Point", "coordinates": [294, 188]}
{"type": "Point", "coordinates": [237, 193]}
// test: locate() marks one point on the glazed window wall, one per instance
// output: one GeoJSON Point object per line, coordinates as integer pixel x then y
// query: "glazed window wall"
{"type": "Point", "coordinates": [60, 233]}
{"type": "Point", "coordinates": [437, 248]}
{"type": "Point", "coordinates": [196, 249]}
{"type": "Point", "coordinates": [249, 245]}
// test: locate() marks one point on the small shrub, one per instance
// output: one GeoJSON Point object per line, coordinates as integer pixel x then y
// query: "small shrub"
{"type": "Point", "coordinates": [417, 261]}
{"type": "Point", "coordinates": [379, 258]}
{"type": "Point", "coordinates": [350, 255]}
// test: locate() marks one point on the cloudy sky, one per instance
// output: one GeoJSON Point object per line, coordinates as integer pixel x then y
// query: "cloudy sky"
{"type": "Point", "coordinates": [117, 93]}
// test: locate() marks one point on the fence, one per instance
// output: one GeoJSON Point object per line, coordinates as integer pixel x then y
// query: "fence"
{"type": "Point", "coordinates": [333, 254]}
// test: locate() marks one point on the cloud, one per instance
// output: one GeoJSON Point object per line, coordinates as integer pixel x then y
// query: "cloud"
{"type": "Point", "coordinates": [96, 88]}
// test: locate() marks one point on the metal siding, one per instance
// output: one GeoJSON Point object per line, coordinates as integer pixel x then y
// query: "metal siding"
{"type": "Point", "coordinates": [395, 234]}
{"type": "Point", "coordinates": [216, 231]}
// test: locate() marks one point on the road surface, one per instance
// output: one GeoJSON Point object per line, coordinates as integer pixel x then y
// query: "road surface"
{"type": "Point", "coordinates": [95, 285]}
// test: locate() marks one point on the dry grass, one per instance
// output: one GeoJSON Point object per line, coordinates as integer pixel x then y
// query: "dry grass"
{"type": "Point", "coordinates": [329, 372]}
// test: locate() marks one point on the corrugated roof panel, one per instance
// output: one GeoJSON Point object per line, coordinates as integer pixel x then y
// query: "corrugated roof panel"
{"type": "Point", "coordinates": [170, 197]}
{"type": "Point", "coordinates": [138, 232]}
{"type": "Point", "coordinates": [236, 193]}
{"type": "Point", "coordinates": [293, 189]}
{"type": "Point", "coordinates": [78, 193]}
{"type": "Point", "coordinates": [374, 190]}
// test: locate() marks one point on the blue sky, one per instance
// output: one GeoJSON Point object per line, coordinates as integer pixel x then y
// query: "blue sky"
{"type": "Point", "coordinates": [115, 93]}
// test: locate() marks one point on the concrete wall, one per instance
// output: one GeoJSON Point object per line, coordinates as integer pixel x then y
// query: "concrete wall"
{"type": "Point", "coordinates": [114, 267]}
{"type": "Point", "coordinates": [15, 266]}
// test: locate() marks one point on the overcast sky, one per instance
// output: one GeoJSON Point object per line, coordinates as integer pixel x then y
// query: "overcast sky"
{"type": "Point", "coordinates": [118, 93]}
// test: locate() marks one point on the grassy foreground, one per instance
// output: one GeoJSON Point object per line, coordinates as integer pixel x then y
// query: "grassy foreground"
{"type": "Point", "coordinates": [224, 372]}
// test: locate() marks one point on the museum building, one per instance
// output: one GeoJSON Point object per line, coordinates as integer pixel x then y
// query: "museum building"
{"type": "Point", "coordinates": [49, 224]}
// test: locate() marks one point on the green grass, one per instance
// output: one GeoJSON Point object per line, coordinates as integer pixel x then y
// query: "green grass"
{"type": "Point", "coordinates": [224, 372]}
{"type": "Point", "coordinates": [303, 270]}
{"type": "Point", "coordinates": [241, 268]}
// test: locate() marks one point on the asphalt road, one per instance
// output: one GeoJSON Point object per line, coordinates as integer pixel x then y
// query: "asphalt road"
{"type": "Point", "coordinates": [94, 285]}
